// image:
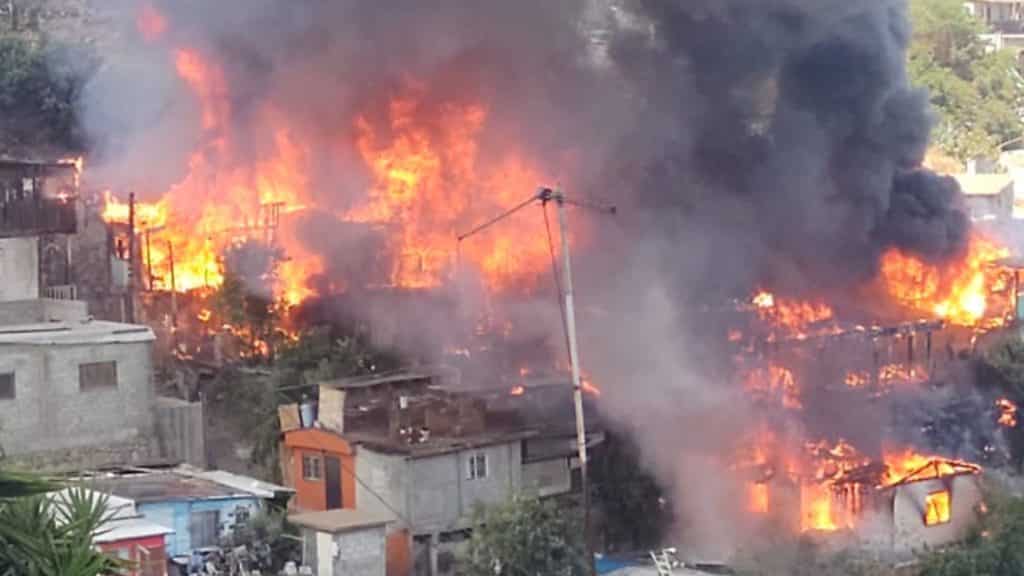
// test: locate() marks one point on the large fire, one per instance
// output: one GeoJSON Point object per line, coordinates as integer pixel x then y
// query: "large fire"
{"type": "Point", "coordinates": [790, 318]}
{"type": "Point", "coordinates": [956, 292]}
{"type": "Point", "coordinates": [429, 180]}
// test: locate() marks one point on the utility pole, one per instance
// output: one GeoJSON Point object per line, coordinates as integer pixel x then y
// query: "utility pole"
{"type": "Point", "coordinates": [131, 258]}
{"type": "Point", "coordinates": [577, 386]}
{"type": "Point", "coordinates": [174, 288]}
{"type": "Point", "coordinates": [566, 298]}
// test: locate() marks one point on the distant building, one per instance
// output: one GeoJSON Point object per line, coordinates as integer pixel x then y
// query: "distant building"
{"type": "Point", "coordinates": [989, 197]}
{"type": "Point", "coordinates": [1004, 20]}
{"type": "Point", "coordinates": [424, 456]}
{"type": "Point", "coordinates": [201, 507]}
{"type": "Point", "coordinates": [343, 542]}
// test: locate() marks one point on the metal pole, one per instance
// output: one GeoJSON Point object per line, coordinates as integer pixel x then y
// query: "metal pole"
{"type": "Point", "coordinates": [174, 286]}
{"type": "Point", "coordinates": [577, 388]}
{"type": "Point", "coordinates": [149, 260]}
{"type": "Point", "coordinates": [131, 258]}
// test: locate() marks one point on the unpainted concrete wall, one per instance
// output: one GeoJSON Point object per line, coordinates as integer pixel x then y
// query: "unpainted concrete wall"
{"type": "Point", "coordinates": [384, 479]}
{"type": "Point", "coordinates": [181, 431]}
{"type": "Point", "coordinates": [442, 497]}
{"type": "Point", "coordinates": [41, 310]}
{"type": "Point", "coordinates": [909, 530]}
{"type": "Point", "coordinates": [50, 413]}
{"type": "Point", "coordinates": [19, 268]}
{"type": "Point", "coordinates": [360, 553]}
{"type": "Point", "coordinates": [547, 477]}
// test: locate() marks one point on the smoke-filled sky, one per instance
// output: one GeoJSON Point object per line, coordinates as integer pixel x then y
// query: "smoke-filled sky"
{"type": "Point", "coordinates": [747, 143]}
{"type": "Point", "coordinates": [782, 134]}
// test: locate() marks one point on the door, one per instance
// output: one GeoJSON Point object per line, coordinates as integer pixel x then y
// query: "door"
{"type": "Point", "coordinates": [332, 481]}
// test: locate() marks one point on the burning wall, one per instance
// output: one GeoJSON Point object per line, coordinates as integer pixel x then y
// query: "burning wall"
{"type": "Point", "coordinates": [740, 158]}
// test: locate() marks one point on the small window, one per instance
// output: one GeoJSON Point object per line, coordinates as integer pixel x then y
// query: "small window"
{"type": "Point", "coordinates": [476, 466]}
{"type": "Point", "coordinates": [7, 386]}
{"type": "Point", "coordinates": [311, 468]}
{"type": "Point", "coordinates": [204, 528]}
{"type": "Point", "coordinates": [97, 376]}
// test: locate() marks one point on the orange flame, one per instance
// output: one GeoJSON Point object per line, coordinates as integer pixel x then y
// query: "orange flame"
{"type": "Point", "coordinates": [956, 292]}
{"type": "Point", "coordinates": [150, 23]}
{"type": "Point", "coordinates": [774, 382]}
{"type": "Point", "coordinates": [904, 463]}
{"type": "Point", "coordinates": [936, 509]}
{"type": "Point", "coordinates": [790, 317]}
{"type": "Point", "coordinates": [1007, 413]}
{"type": "Point", "coordinates": [431, 180]}
{"type": "Point", "coordinates": [758, 497]}
{"type": "Point", "coordinates": [517, 391]}
{"type": "Point", "coordinates": [816, 504]}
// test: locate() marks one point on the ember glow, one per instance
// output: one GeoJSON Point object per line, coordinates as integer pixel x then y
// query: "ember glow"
{"type": "Point", "coordinates": [957, 292]}
{"type": "Point", "coordinates": [775, 383]}
{"type": "Point", "coordinates": [790, 318]}
{"type": "Point", "coordinates": [1007, 413]}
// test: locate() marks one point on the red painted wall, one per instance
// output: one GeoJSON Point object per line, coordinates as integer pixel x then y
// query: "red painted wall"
{"type": "Point", "coordinates": [154, 563]}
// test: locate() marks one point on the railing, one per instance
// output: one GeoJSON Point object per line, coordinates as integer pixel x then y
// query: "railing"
{"type": "Point", "coordinates": [32, 216]}
{"type": "Point", "coordinates": [61, 292]}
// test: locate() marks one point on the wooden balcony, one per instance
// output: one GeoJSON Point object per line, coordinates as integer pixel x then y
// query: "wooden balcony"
{"type": "Point", "coordinates": [35, 216]}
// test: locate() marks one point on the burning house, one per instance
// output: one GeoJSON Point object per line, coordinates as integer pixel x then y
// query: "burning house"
{"type": "Point", "coordinates": [333, 184]}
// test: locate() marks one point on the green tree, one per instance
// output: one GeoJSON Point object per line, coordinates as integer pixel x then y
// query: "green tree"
{"type": "Point", "coordinates": [42, 535]}
{"type": "Point", "coordinates": [636, 512]}
{"type": "Point", "coordinates": [978, 94]}
{"type": "Point", "coordinates": [41, 83]}
{"type": "Point", "coordinates": [525, 537]}
{"type": "Point", "coordinates": [1001, 369]}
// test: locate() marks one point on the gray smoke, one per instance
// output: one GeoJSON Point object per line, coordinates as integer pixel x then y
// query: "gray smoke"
{"type": "Point", "coordinates": [748, 143]}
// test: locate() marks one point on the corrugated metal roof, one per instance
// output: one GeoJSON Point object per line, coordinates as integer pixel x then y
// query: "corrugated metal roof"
{"type": "Point", "coordinates": [131, 529]}
{"type": "Point", "coordinates": [244, 483]}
